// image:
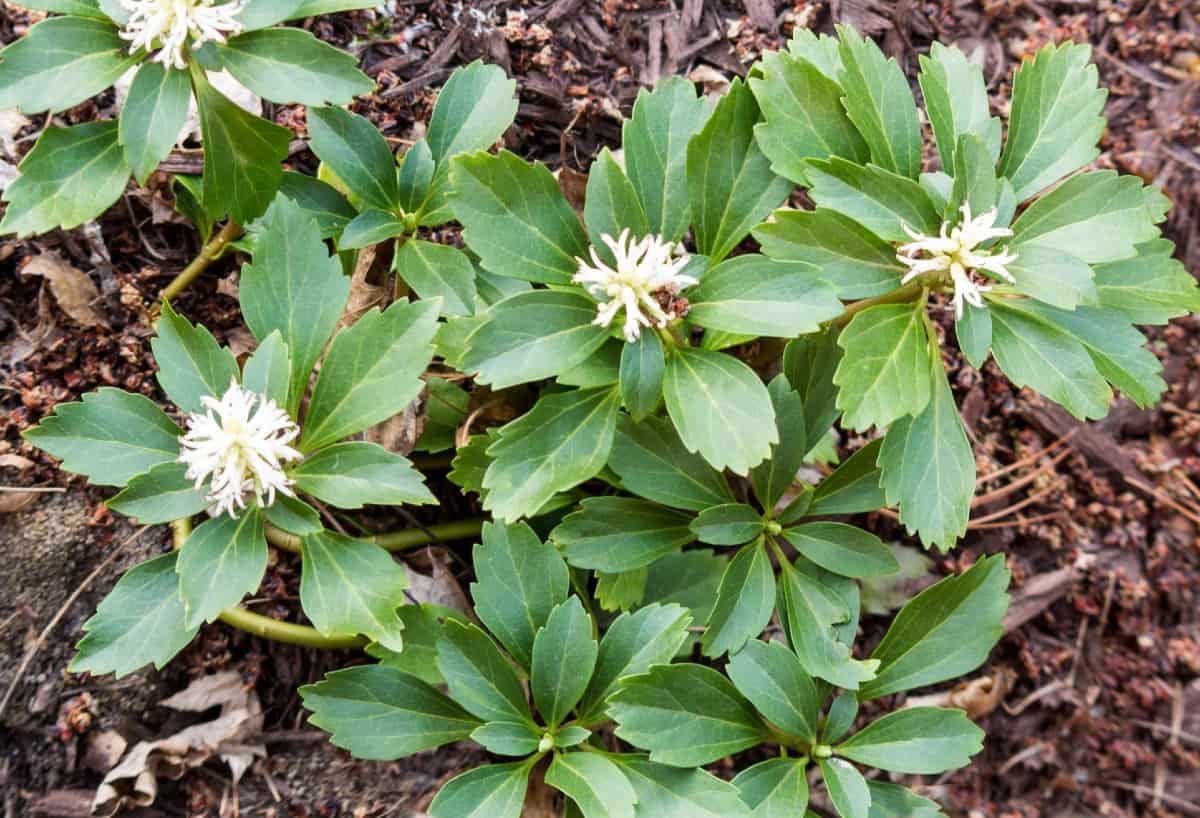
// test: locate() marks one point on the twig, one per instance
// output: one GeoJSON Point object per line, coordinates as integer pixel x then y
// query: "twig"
{"type": "Point", "coordinates": [1004, 491]}
{"type": "Point", "coordinates": [62, 611]}
{"type": "Point", "coordinates": [1033, 498]}
{"type": "Point", "coordinates": [1174, 801]}
{"type": "Point", "coordinates": [1027, 460]}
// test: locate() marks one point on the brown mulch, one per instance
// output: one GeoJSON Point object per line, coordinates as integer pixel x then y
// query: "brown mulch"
{"type": "Point", "coordinates": [1091, 702]}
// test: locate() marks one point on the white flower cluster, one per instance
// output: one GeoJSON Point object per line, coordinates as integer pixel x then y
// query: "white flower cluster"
{"type": "Point", "coordinates": [170, 24]}
{"type": "Point", "coordinates": [240, 450]}
{"type": "Point", "coordinates": [644, 270]}
{"type": "Point", "coordinates": [955, 252]}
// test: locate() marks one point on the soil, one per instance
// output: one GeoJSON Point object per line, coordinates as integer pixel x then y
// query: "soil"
{"type": "Point", "coordinates": [1092, 700]}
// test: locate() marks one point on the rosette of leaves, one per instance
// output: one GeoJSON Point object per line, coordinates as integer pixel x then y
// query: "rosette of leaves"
{"type": "Point", "coordinates": [292, 296]}
{"type": "Point", "coordinates": [73, 174]}
{"type": "Point", "coordinates": [681, 499]}
{"type": "Point", "coordinates": [532, 686]}
{"type": "Point", "coordinates": [689, 173]}
{"type": "Point", "coordinates": [393, 197]}
{"type": "Point", "coordinates": [687, 714]}
{"type": "Point", "coordinates": [840, 120]}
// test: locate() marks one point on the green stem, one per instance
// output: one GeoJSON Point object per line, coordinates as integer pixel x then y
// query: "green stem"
{"type": "Point", "coordinates": [264, 626]}
{"type": "Point", "coordinates": [209, 253]}
{"type": "Point", "coordinates": [393, 540]}
{"type": "Point", "coordinates": [906, 293]}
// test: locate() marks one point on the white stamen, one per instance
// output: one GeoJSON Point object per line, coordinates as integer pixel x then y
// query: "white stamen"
{"type": "Point", "coordinates": [953, 251]}
{"type": "Point", "coordinates": [240, 450]}
{"type": "Point", "coordinates": [169, 25]}
{"type": "Point", "coordinates": [643, 269]}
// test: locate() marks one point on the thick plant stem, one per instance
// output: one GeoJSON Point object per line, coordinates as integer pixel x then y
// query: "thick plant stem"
{"type": "Point", "coordinates": [906, 293]}
{"type": "Point", "coordinates": [209, 253]}
{"type": "Point", "coordinates": [264, 626]}
{"type": "Point", "coordinates": [393, 540]}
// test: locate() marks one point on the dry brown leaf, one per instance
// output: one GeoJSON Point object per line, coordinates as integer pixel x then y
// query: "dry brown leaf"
{"type": "Point", "coordinates": [15, 461]}
{"type": "Point", "coordinates": [400, 433]}
{"type": "Point", "coordinates": [363, 294]}
{"type": "Point", "coordinates": [979, 696]}
{"type": "Point", "coordinates": [14, 500]}
{"type": "Point", "coordinates": [439, 587]}
{"type": "Point", "coordinates": [134, 782]}
{"type": "Point", "coordinates": [104, 750]}
{"type": "Point", "coordinates": [71, 287]}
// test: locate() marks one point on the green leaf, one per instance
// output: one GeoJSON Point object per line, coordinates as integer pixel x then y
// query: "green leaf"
{"type": "Point", "coordinates": [379, 712]}
{"type": "Point", "coordinates": [804, 116]}
{"type": "Point", "coordinates": [974, 334]}
{"type": "Point", "coordinates": [515, 218]}
{"type": "Point", "coordinates": [446, 408]}
{"type": "Point", "coordinates": [1056, 118]}
{"type": "Point", "coordinates": [633, 643]}
{"type": "Point", "coordinates": [621, 591]}
{"type": "Point", "coordinates": [854, 486]}
{"type": "Point", "coordinates": [594, 783]}
{"type": "Point", "coordinates": [744, 604]}
{"type": "Point", "coordinates": [916, 740]}
{"type": "Point", "coordinates": [564, 656]}
{"type": "Point", "coordinates": [294, 516]}
{"type": "Point", "coordinates": [290, 65]}
{"type": "Point", "coordinates": [1151, 288]}
{"type": "Point", "coordinates": [109, 436]}
{"type": "Point", "coordinates": [494, 791]}
{"type": "Point", "coordinates": [372, 371]}
{"type": "Point", "coordinates": [354, 473]}
{"type": "Point", "coordinates": [720, 408]}
{"type": "Point", "coordinates": [756, 295]}
{"type": "Point", "coordinates": [565, 439]}
{"type": "Point", "coordinates": [370, 227]}
{"type": "Point", "coordinates": [189, 191]}
{"type": "Point", "coordinates": [60, 62]}
{"type": "Point", "coordinates": [77, 8]}
{"type": "Point", "coordinates": [880, 103]}
{"type": "Point", "coordinates": [508, 738]}
{"type": "Point", "coordinates": [415, 176]}
{"type": "Point", "coordinates": [473, 110]}
{"type": "Point", "coordinates": [71, 176]}
{"type": "Point", "coordinates": [654, 140]}
{"type": "Point", "coordinates": [191, 365]}
{"type": "Point", "coordinates": [772, 477]}
{"type": "Point", "coordinates": [257, 14]}
{"type": "Point", "coordinates": [160, 495]}
{"type": "Point", "coordinates": [620, 533]}
{"type": "Point", "coordinates": [686, 715]}
{"type": "Point", "coordinates": [772, 678]}
{"type": "Point", "coordinates": [894, 801]}
{"type": "Point", "coordinates": [1116, 348]}
{"type": "Point", "coordinates": [928, 468]}
{"type": "Point", "coordinates": [776, 788]}
{"type": "Point", "coordinates": [852, 259]}
{"type": "Point", "coordinates": [223, 560]}
{"type": "Point", "coordinates": [295, 287]}
{"type": "Point", "coordinates": [320, 201]}
{"type": "Point", "coordinates": [842, 549]}
{"type": "Point", "coordinates": [688, 578]}
{"type": "Point", "coordinates": [350, 586]}
{"type": "Point", "coordinates": [422, 628]}
{"type": "Point", "coordinates": [533, 335]}
{"type": "Point", "coordinates": [520, 580]}
{"type": "Point", "coordinates": [438, 271]}
{"type": "Point", "coordinates": [318, 8]}
{"type": "Point", "coordinates": [819, 49]}
{"type": "Point", "coordinates": [478, 675]}
{"type": "Point", "coordinates": [975, 182]}
{"type": "Point", "coordinates": [267, 370]}
{"type": "Point", "coordinates": [1097, 217]}
{"type": "Point", "coordinates": [652, 462]}
{"type": "Point", "coordinates": [670, 792]}
{"type": "Point", "coordinates": [847, 788]}
{"type": "Point", "coordinates": [138, 623]}
{"type": "Point", "coordinates": [840, 717]}
{"type": "Point", "coordinates": [876, 198]}
{"type": "Point", "coordinates": [943, 632]}
{"type": "Point", "coordinates": [884, 373]}
{"type": "Point", "coordinates": [956, 101]}
{"type": "Point", "coordinates": [601, 368]}
{"type": "Point", "coordinates": [242, 154]}
{"type": "Point", "coordinates": [811, 610]}
{"type": "Point", "coordinates": [155, 110]}
{"type": "Point", "coordinates": [641, 375]}
{"type": "Point", "coordinates": [809, 363]}
{"type": "Point", "coordinates": [727, 524]}
{"type": "Point", "coordinates": [1050, 361]}
{"type": "Point", "coordinates": [357, 152]}
{"type": "Point", "coordinates": [1050, 275]}
{"type": "Point", "coordinates": [611, 204]}
{"type": "Point", "coordinates": [729, 179]}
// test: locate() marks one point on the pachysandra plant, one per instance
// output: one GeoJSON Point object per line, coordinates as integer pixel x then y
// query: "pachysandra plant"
{"type": "Point", "coordinates": [246, 456]}
{"type": "Point", "coordinates": [73, 174]}
{"type": "Point", "coordinates": [1052, 293]}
